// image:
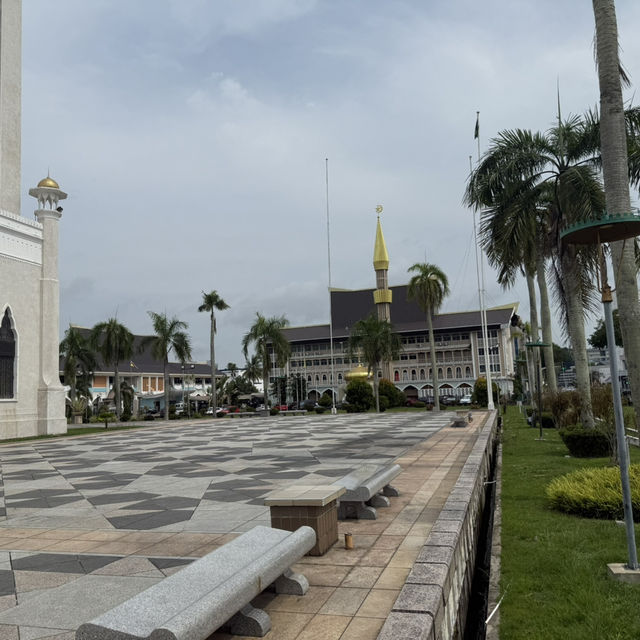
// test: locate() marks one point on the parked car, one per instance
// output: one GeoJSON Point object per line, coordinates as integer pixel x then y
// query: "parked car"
{"type": "Point", "coordinates": [465, 400]}
{"type": "Point", "coordinates": [448, 401]}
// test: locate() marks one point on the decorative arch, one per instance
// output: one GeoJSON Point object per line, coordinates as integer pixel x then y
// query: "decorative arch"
{"type": "Point", "coordinates": [7, 356]}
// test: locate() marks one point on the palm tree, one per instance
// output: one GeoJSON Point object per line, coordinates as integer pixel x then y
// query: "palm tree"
{"type": "Point", "coordinates": [253, 368]}
{"type": "Point", "coordinates": [375, 340]}
{"type": "Point", "coordinates": [114, 342]}
{"type": "Point", "coordinates": [266, 334]}
{"type": "Point", "coordinates": [555, 174]}
{"type": "Point", "coordinates": [79, 361]}
{"type": "Point", "coordinates": [232, 368]}
{"type": "Point", "coordinates": [170, 335]}
{"type": "Point", "coordinates": [210, 302]}
{"type": "Point", "coordinates": [613, 143]}
{"type": "Point", "coordinates": [429, 287]}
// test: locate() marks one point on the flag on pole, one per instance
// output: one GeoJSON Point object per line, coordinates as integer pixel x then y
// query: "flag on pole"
{"type": "Point", "coordinates": [132, 365]}
{"type": "Point", "coordinates": [476, 133]}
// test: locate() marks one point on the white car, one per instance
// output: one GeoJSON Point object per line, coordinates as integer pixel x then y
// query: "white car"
{"type": "Point", "coordinates": [465, 400]}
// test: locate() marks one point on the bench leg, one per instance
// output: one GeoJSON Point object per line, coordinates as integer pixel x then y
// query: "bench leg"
{"type": "Point", "coordinates": [358, 510]}
{"type": "Point", "coordinates": [378, 501]}
{"type": "Point", "coordinates": [250, 621]}
{"type": "Point", "coordinates": [293, 584]}
{"type": "Point", "coordinates": [390, 491]}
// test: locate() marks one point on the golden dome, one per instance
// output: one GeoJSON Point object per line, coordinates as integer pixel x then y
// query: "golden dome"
{"type": "Point", "coordinates": [48, 182]}
{"type": "Point", "coordinates": [357, 373]}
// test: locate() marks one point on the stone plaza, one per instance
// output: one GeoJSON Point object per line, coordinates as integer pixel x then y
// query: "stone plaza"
{"type": "Point", "coordinates": [90, 521]}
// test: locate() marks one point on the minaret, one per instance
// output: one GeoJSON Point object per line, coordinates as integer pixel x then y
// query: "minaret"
{"type": "Point", "coordinates": [51, 417]}
{"type": "Point", "coordinates": [10, 94]}
{"type": "Point", "coordinates": [382, 293]}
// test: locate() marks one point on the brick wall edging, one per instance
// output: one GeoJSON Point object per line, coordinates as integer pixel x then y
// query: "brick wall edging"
{"type": "Point", "coordinates": [432, 605]}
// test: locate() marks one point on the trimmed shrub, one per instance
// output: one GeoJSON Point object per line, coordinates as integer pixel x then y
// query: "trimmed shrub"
{"type": "Point", "coordinates": [309, 405]}
{"type": "Point", "coordinates": [384, 403]}
{"type": "Point", "coordinates": [325, 400]}
{"type": "Point", "coordinates": [419, 405]}
{"type": "Point", "coordinates": [547, 420]}
{"type": "Point", "coordinates": [320, 409]}
{"type": "Point", "coordinates": [273, 411]}
{"type": "Point", "coordinates": [480, 395]}
{"type": "Point", "coordinates": [565, 407]}
{"type": "Point", "coordinates": [388, 390]}
{"type": "Point", "coordinates": [586, 443]}
{"type": "Point", "coordinates": [595, 493]}
{"type": "Point", "coordinates": [359, 395]}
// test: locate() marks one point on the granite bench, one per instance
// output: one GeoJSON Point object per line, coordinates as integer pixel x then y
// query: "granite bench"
{"type": "Point", "coordinates": [212, 591]}
{"type": "Point", "coordinates": [367, 487]}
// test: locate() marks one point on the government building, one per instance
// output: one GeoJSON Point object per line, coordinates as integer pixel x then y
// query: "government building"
{"type": "Point", "coordinates": [460, 348]}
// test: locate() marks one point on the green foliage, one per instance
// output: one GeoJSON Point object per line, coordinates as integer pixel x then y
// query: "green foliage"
{"type": "Point", "coordinates": [388, 390]}
{"type": "Point", "coordinates": [359, 395]}
{"type": "Point", "coordinates": [518, 390]}
{"type": "Point", "coordinates": [565, 407]}
{"type": "Point", "coordinates": [419, 405]}
{"type": "Point", "coordinates": [383, 403]}
{"type": "Point", "coordinates": [562, 356]}
{"type": "Point", "coordinates": [480, 396]}
{"type": "Point", "coordinates": [325, 400]}
{"type": "Point", "coordinates": [598, 339]}
{"type": "Point", "coordinates": [547, 420]}
{"type": "Point", "coordinates": [273, 411]}
{"type": "Point", "coordinates": [595, 493]}
{"type": "Point", "coordinates": [320, 409]}
{"type": "Point", "coordinates": [106, 417]}
{"type": "Point", "coordinates": [586, 443]}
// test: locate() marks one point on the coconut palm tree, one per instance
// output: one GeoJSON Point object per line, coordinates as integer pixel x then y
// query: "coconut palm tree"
{"type": "Point", "coordinates": [555, 173]}
{"type": "Point", "coordinates": [79, 361]}
{"type": "Point", "coordinates": [210, 303]}
{"type": "Point", "coordinates": [270, 343]}
{"type": "Point", "coordinates": [253, 368]}
{"type": "Point", "coordinates": [170, 335]}
{"type": "Point", "coordinates": [114, 342]}
{"type": "Point", "coordinates": [614, 136]}
{"type": "Point", "coordinates": [376, 342]}
{"type": "Point", "coordinates": [429, 287]}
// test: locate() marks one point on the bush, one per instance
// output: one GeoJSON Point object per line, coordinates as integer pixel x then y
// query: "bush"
{"type": "Point", "coordinates": [383, 402]}
{"type": "Point", "coordinates": [359, 395]}
{"type": "Point", "coordinates": [419, 405]}
{"type": "Point", "coordinates": [586, 443]}
{"type": "Point", "coordinates": [273, 411]}
{"type": "Point", "coordinates": [310, 405]}
{"type": "Point", "coordinates": [325, 400]}
{"type": "Point", "coordinates": [387, 389]}
{"type": "Point", "coordinates": [480, 395]}
{"type": "Point", "coordinates": [148, 416]}
{"type": "Point", "coordinates": [595, 492]}
{"type": "Point", "coordinates": [565, 407]}
{"type": "Point", "coordinates": [320, 409]}
{"type": "Point", "coordinates": [547, 420]}
{"type": "Point", "coordinates": [125, 416]}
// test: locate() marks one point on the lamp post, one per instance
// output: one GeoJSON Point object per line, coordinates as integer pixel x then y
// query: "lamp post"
{"type": "Point", "coordinates": [610, 228]}
{"type": "Point", "coordinates": [184, 368]}
{"type": "Point", "coordinates": [538, 414]}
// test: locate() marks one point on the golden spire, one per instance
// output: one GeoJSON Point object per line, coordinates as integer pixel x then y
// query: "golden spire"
{"type": "Point", "coordinates": [380, 255]}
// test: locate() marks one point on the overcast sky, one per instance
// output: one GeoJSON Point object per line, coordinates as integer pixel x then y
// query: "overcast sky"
{"type": "Point", "coordinates": [191, 136]}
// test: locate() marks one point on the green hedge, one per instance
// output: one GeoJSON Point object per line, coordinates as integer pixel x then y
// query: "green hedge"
{"type": "Point", "coordinates": [586, 443]}
{"type": "Point", "coordinates": [594, 493]}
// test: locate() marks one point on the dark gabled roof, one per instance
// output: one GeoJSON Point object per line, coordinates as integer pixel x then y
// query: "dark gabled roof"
{"type": "Point", "coordinates": [347, 307]}
{"type": "Point", "coordinates": [143, 361]}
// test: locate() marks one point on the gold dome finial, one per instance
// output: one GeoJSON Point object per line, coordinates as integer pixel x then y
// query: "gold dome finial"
{"type": "Point", "coordinates": [48, 182]}
{"type": "Point", "coordinates": [380, 255]}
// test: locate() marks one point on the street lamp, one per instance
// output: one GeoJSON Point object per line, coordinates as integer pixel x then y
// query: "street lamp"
{"type": "Point", "coordinates": [184, 382]}
{"type": "Point", "coordinates": [611, 228]}
{"type": "Point", "coordinates": [538, 414]}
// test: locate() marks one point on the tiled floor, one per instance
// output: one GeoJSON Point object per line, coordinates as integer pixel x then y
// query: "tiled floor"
{"type": "Point", "coordinates": [92, 520]}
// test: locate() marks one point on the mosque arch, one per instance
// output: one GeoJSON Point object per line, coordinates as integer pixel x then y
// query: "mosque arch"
{"type": "Point", "coordinates": [7, 357]}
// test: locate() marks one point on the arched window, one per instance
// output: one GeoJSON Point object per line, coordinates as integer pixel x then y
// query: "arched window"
{"type": "Point", "coordinates": [440, 373]}
{"type": "Point", "coordinates": [405, 375]}
{"type": "Point", "coordinates": [458, 372]}
{"type": "Point", "coordinates": [421, 374]}
{"type": "Point", "coordinates": [449, 373]}
{"type": "Point", "coordinates": [396, 376]}
{"type": "Point", "coordinates": [414, 375]}
{"type": "Point", "coordinates": [339, 377]}
{"type": "Point", "coordinates": [324, 377]}
{"type": "Point", "coordinates": [467, 372]}
{"type": "Point", "coordinates": [308, 378]}
{"type": "Point", "coordinates": [317, 378]}
{"type": "Point", "coordinates": [7, 357]}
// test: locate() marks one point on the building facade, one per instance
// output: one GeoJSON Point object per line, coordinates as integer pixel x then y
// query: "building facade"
{"type": "Point", "coordinates": [31, 395]}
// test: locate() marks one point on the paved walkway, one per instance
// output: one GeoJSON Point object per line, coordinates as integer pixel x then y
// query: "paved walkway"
{"type": "Point", "coordinates": [92, 520]}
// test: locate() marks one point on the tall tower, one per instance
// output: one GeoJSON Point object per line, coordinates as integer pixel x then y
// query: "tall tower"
{"type": "Point", "coordinates": [10, 103]}
{"type": "Point", "coordinates": [382, 294]}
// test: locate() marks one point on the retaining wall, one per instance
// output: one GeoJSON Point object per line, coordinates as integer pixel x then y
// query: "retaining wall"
{"type": "Point", "coordinates": [434, 600]}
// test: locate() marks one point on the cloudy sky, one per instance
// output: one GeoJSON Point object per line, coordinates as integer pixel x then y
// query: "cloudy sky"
{"type": "Point", "coordinates": [191, 136]}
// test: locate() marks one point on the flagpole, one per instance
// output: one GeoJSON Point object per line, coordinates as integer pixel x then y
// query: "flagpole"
{"type": "Point", "coordinates": [481, 291]}
{"type": "Point", "coordinates": [333, 395]}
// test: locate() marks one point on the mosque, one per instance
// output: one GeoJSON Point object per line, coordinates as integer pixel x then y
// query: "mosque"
{"type": "Point", "coordinates": [32, 399]}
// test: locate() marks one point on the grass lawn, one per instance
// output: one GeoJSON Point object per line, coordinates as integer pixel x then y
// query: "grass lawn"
{"type": "Point", "coordinates": [554, 566]}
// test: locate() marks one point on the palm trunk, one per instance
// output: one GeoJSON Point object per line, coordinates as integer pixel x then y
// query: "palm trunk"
{"type": "Point", "coordinates": [116, 389]}
{"type": "Point", "coordinates": [265, 375]}
{"type": "Point", "coordinates": [214, 397]}
{"type": "Point", "coordinates": [434, 368]}
{"type": "Point", "coordinates": [375, 387]}
{"type": "Point", "coordinates": [535, 335]}
{"type": "Point", "coordinates": [575, 322]}
{"type": "Point", "coordinates": [166, 388]}
{"type": "Point", "coordinates": [545, 321]}
{"type": "Point", "coordinates": [613, 145]}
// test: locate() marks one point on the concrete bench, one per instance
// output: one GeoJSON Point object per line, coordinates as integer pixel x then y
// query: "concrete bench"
{"type": "Point", "coordinates": [216, 589]}
{"type": "Point", "coordinates": [367, 487]}
{"type": "Point", "coordinates": [242, 414]}
{"type": "Point", "coordinates": [293, 412]}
